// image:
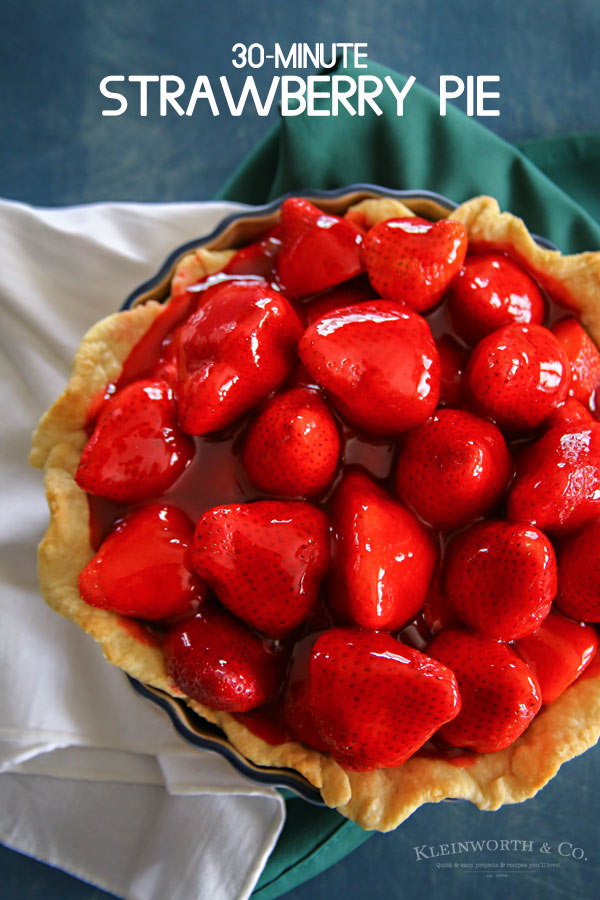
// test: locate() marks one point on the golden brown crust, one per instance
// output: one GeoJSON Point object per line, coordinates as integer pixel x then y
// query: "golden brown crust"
{"type": "Point", "coordinates": [376, 800]}
{"type": "Point", "coordinates": [197, 265]}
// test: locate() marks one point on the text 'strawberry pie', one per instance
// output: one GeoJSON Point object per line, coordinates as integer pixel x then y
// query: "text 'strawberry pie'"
{"type": "Point", "coordinates": [335, 482]}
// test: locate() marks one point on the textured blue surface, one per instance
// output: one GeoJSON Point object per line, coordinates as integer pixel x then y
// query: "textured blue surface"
{"type": "Point", "coordinates": [56, 149]}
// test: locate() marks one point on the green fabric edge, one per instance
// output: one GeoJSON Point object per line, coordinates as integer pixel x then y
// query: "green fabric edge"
{"type": "Point", "coordinates": [313, 838]}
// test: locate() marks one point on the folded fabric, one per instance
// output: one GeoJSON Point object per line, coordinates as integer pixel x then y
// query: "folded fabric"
{"type": "Point", "coordinates": [95, 780]}
{"type": "Point", "coordinates": [453, 155]}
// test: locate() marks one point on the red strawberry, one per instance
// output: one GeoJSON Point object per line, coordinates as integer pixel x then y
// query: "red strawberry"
{"type": "Point", "coordinates": [165, 368]}
{"type": "Point", "coordinates": [233, 351]}
{"type": "Point", "coordinates": [501, 578]}
{"type": "Point", "coordinates": [137, 449]}
{"type": "Point", "coordinates": [374, 701]}
{"type": "Point", "coordinates": [557, 487]}
{"type": "Point", "coordinates": [358, 290]}
{"type": "Point", "coordinates": [297, 711]}
{"type": "Point", "coordinates": [258, 258]}
{"type": "Point", "coordinates": [317, 250]}
{"type": "Point", "coordinates": [292, 447]}
{"type": "Point", "coordinates": [412, 260]}
{"type": "Point", "coordinates": [491, 291]}
{"type": "Point", "coordinates": [579, 574]}
{"type": "Point", "coordinates": [383, 558]}
{"type": "Point", "coordinates": [264, 560]}
{"type": "Point", "coordinates": [517, 375]}
{"type": "Point", "coordinates": [500, 695]}
{"type": "Point", "coordinates": [217, 660]}
{"type": "Point", "coordinates": [453, 362]}
{"type": "Point", "coordinates": [144, 567]}
{"type": "Point", "coordinates": [571, 412]}
{"type": "Point", "coordinates": [437, 612]}
{"type": "Point", "coordinates": [453, 469]}
{"type": "Point", "coordinates": [377, 362]}
{"type": "Point", "coordinates": [557, 653]}
{"type": "Point", "coordinates": [583, 356]}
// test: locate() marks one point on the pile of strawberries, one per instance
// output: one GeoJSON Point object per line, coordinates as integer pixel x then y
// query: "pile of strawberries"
{"type": "Point", "coordinates": [449, 592]}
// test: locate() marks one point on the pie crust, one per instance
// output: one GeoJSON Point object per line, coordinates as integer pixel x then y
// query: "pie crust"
{"type": "Point", "coordinates": [380, 799]}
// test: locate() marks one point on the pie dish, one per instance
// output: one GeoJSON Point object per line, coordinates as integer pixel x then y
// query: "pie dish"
{"type": "Point", "coordinates": [383, 797]}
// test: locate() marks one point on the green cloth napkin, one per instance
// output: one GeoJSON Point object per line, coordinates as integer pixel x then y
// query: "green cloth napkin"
{"type": "Point", "coordinates": [453, 155]}
{"type": "Point", "coordinates": [459, 158]}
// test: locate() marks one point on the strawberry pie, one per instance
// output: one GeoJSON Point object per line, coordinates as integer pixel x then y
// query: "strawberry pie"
{"type": "Point", "coordinates": [335, 482]}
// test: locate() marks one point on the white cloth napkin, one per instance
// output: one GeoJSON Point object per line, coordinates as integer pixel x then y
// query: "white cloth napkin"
{"type": "Point", "coordinates": [95, 780]}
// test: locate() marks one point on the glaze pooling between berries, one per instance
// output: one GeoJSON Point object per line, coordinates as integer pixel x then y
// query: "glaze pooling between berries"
{"type": "Point", "coordinates": [491, 780]}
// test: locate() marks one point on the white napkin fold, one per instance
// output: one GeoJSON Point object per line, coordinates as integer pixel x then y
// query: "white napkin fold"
{"type": "Point", "coordinates": [95, 780]}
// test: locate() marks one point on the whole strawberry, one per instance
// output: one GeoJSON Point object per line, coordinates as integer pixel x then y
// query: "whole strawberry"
{"type": "Point", "coordinates": [317, 250]}
{"type": "Point", "coordinates": [557, 487]}
{"type": "Point", "coordinates": [264, 560]}
{"type": "Point", "coordinates": [144, 567]}
{"type": "Point", "coordinates": [501, 578]}
{"type": "Point", "coordinates": [579, 574]}
{"type": "Point", "coordinates": [374, 701]}
{"type": "Point", "coordinates": [500, 694]}
{"type": "Point", "coordinates": [517, 376]}
{"type": "Point", "coordinates": [583, 356]}
{"type": "Point", "coordinates": [137, 449]}
{"type": "Point", "coordinates": [292, 447]}
{"type": "Point", "coordinates": [491, 291]}
{"type": "Point", "coordinates": [453, 469]}
{"type": "Point", "coordinates": [218, 661]}
{"type": "Point", "coordinates": [378, 364]}
{"type": "Point", "coordinates": [413, 261]}
{"type": "Point", "coordinates": [233, 351]}
{"type": "Point", "coordinates": [382, 556]}
{"type": "Point", "coordinates": [557, 653]}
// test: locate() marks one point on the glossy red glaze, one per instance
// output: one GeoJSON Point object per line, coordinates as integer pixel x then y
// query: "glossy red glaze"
{"type": "Point", "coordinates": [453, 362]}
{"type": "Point", "coordinates": [137, 449]}
{"type": "Point", "coordinates": [579, 574]}
{"type": "Point", "coordinates": [233, 351]}
{"type": "Point", "coordinates": [144, 567]}
{"type": "Point", "coordinates": [491, 291]}
{"type": "Point", "coordinates": [216, 476]}
{"type": "Point", "coordinates": [357, 290]}
{"type": "Point", "coordinates": [267, 723]}
{"type": "Point", "coordinates": [557, 486]}
{"type": "Point", "coordinates": [378, 364]}
{"type": "Point", "coordinates": [382, 557]}
{"type": "Point", "coordinates": [258, 258]}
{"type": "Point", "coordinates": [437, 612]}
{"type": "Point", "coordinates": [557, 653]}
{"type": "Point", "coordinates": [584, 359]}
